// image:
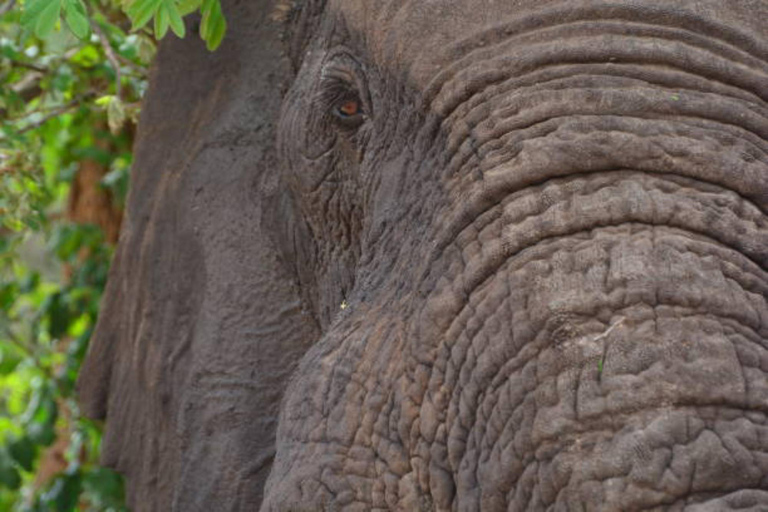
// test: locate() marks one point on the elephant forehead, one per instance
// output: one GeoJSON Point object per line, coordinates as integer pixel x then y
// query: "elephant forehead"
{"type": "Point", "coordinates": [421, 37]}
{"type": "Point", "coordinates": [412, 36]}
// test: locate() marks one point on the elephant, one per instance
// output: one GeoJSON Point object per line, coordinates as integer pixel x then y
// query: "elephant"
{"type": "Point", "coordinates": [446, 255]}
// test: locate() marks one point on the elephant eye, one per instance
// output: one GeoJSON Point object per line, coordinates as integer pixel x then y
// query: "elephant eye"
{"type": "Point", "coordinates": [341, 92]}
{"type": "Point", "coordinates": [349, 113]}
{"type": "Point", "coordinates": [349, 108]}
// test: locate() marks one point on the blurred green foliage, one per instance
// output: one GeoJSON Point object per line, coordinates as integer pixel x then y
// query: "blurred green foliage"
{"type": "Point", "coordinates": [53, 270]}
{"type": "Point", "coordinates": [72, 75]}
{"type": "Point", "coordinates": [42, 16]}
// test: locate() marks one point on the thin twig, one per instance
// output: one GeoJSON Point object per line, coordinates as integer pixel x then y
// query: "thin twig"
{"type": "Point", "coordinates": [138, 69]}
{"type": "Point", "coordinates": [41, 110]}
{"type": "Point", "coordinates": [27, 65]}
{"type": "Point", "coordinates": [111, 56]}
{"type": "Point", "coordinates": [28, 86]}
{"type": "Point", "coordinates": [53, 113]}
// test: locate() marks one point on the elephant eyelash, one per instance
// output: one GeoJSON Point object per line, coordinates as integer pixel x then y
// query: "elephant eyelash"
{"type": "Point", "coordinates": [334, 94]}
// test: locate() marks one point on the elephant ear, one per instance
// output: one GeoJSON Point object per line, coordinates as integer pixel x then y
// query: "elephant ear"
{"type": "Point", "coordinates": [202, 324]}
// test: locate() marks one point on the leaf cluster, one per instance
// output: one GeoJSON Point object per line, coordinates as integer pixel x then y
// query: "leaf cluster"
{"type": "Point", "coordinates": [42, 17]}
{"type": "Point", "coordinates": [66, 102]}
{"type": "Point", "coordinates": [45, 326]}
{"type": "Point", "coordinates": [73, 73]}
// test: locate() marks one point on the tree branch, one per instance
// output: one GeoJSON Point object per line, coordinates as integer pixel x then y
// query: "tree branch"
{"type": "Point", "coordinates": [111, 55]}
{"type": "Point", "coordinates": [53, 113]}
{"type": "Point", "coordinates": [138, 69]}
{"type": "Point", "coordinates": [29, 86]}
{"type": "Point", "coordinates": [27, 65]}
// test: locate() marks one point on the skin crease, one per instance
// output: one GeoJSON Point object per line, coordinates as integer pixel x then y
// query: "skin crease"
{"type": "Point", "coordinates": [549, 236]}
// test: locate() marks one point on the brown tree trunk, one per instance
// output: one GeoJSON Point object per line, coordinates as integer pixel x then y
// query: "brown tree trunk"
{"type": "Point", "coordinates": [90, 202]}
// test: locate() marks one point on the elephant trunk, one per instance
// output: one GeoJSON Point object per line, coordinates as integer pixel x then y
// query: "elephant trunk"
{"type": "Point", "coordinates": [595, 322]}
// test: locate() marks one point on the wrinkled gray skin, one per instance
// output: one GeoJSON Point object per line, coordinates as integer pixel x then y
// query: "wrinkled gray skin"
{"type": "Point", "coordinates": [534, 270]}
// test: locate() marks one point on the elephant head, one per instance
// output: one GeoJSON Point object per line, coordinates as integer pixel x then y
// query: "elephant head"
{"type": "Point", "coordinates": [546, 222]}
{"type": "Point", "coordinates": [529, 243]}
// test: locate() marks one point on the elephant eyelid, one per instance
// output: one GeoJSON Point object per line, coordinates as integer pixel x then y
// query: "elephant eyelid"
{"type": "Point", "coordinates": [342, 74]}
{"type": "Point", "coordinates": [333, 91]}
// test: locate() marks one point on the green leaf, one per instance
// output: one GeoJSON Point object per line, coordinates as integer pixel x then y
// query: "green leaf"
{"type": "Point", "coordinates": [42, 433]}
{"type": "Point", "coordinates": [9, 476]}
{"type": "Point", "coordinates": [58, 315]}
{"type": "Point", "coordinates": [207, 5]}
{"type": "Point", "coordinates": [141, 11]}
{"type": "Point", "coordinates": [77, 18]}
{"type": "Point", "coordinates": [161, 21]}
{"type": "Point", "coordinates": [105, 487]}
{"type": "Point", "coordinates": [42, 409]}
{"type": "Point", "coordinates": [32, 11]}
{"type": "Point", "coordinates": [66, 241]}
{"type": "Point", "coordinates": [134, 7]}
{"type": "Point", "coordinates": [103, 101]}
{"type": "Point", "coordinates": [87, 57]}
{"type": "Point", "coordinates": [205, 9]}
{"type": "Point", "coordinates": [188, 6]}
{"type": "Point", "coordinates": [177, 25]}
{"type": "Point", "coordinates": [214, 25]}
{"type": "Point", "coordinates": [9, 358]}
{"type": "Point", "coordinates": [47, 19]}
{"type": "Point", "coordinates": [146, 48]}
{"type": "Point", "coordinates": [30, 283]}
{"type": "Point", "coordinates": [64, 493]}
{"type": "Point", "coordinates": [23, 452]}
{"type": "Point", "coordinates": [8, 293]}
{"type": "Point", "coordinates": [217, 34]}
